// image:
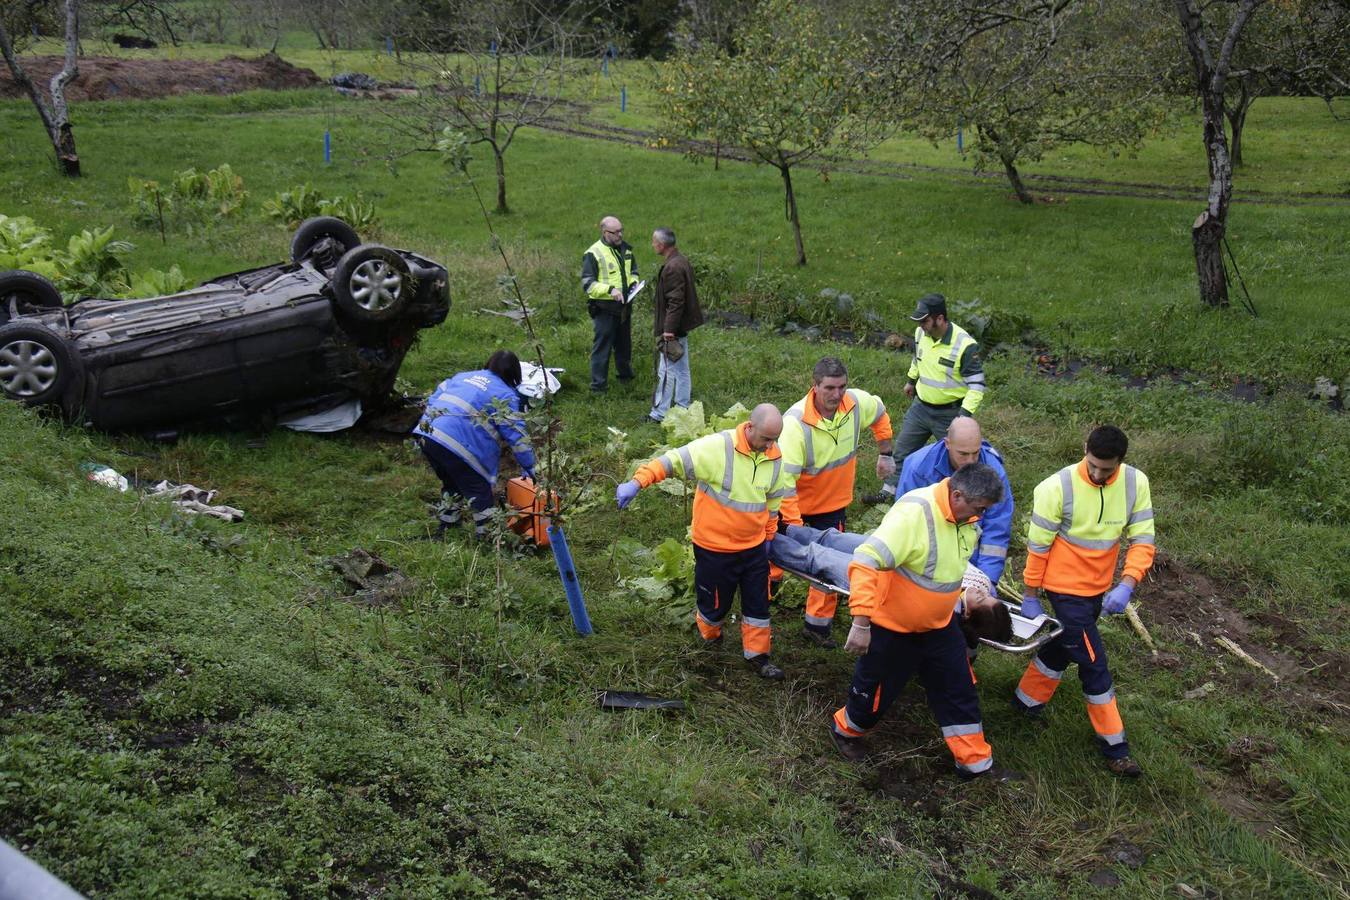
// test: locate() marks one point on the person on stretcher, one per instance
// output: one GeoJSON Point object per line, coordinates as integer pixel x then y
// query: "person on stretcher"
{"type": "Point", "coordinates": [824, 554]}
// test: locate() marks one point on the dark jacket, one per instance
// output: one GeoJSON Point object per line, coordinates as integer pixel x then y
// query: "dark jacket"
{"type": "Point", "coordinates": [677, 309]}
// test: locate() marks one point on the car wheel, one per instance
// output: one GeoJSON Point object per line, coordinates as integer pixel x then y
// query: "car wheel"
{"type": "Point", "coordinates": [372, 284]}
{"type": "Point", "coordinates": [23, 293]}
{"type": "Point", "coordinates": [324, 238]}
{"type": "Point", "coordinates": [36, 363]}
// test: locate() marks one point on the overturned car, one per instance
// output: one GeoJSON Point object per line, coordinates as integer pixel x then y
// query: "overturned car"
{"type": "Point", "coordinates": [330, 326]}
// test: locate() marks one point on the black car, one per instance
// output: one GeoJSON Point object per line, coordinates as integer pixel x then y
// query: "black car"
{"type": "Point", "coordinates": [331, 325]}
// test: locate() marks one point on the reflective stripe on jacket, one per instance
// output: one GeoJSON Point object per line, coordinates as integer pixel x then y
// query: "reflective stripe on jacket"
{"type": "Point", "coordinates": [821, 455]}
{"type": "Point", "coordinates": [739, 490]}
{"type": "Point", "coordinates": [906, 575]}
{"type": "Point", "coordinates": [1073, 541]}
{"type": "Point", "coordinates": [468, 413]}
{"type": "Point", "coordinates": [610, 267]}
{"type": "Point", "coordinates": [948, 370]}
{"type": "Point", "coordinates": [932, 464]}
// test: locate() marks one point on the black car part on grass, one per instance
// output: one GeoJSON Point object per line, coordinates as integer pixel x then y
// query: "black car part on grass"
{"type": "Point", "coordinates": [331, 325]}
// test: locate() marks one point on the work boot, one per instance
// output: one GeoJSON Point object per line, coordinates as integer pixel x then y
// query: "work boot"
{"type": "Point", "coordinates": [765, 668]}
{"type": "Point", "coordinates": [1124, 767]}
{"type": "Point", "coordinates": [851, 749]}
{"type": "Point", "coordinates": [1029, 715]}
{"type": "Point", "coordinates": [823, 641]}
{"type": "Point", "coordinates": [712, 643]}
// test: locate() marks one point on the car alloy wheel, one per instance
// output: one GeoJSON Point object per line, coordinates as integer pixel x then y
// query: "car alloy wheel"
{"type": "Point", "coordinates": [375, 286]}
{"type": "Point", "coordinates": [27, 369]}
{"type": "Point", "coordinates": [37, 365]}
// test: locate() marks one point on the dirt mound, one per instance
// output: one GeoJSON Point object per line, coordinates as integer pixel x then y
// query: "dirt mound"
{"type": "Point", "coordinates": [109, 78]}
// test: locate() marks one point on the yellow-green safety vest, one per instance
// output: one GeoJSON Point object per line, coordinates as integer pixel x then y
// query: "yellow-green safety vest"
{"type": "Point", "coordinates": [937, 370]}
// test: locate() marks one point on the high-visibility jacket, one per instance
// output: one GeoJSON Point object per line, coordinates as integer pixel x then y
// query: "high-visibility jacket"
{"type": "Point", "coordinates": [739, 490]}
{"type": "Point", "coordinates": [907, 574]}
{"type": "Point", "coordinates": [1073, 541]}
{"type": "Point", "coordinates": [932, 464]}
{"type": "Point", "coordinates": [821, 455]}
{"type": "Point", "coordinates": [948, 370]}
{"type": "Point", "coordinates": [604, 268]}
{"type": "Point", "coordinates": [469, 413]}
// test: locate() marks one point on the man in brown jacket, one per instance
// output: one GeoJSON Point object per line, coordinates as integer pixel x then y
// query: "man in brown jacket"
{"type": "Point", "coordinates": [677, 314]}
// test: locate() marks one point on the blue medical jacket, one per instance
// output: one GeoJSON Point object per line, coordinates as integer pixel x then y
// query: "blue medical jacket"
{"type": "Point", "coordinates": [469, 413]}
{"type": "Point", "coordinates": [931, 464]}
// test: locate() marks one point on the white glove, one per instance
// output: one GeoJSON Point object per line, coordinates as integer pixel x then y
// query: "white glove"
{"type": "Point", "coordinates": [859, 638]}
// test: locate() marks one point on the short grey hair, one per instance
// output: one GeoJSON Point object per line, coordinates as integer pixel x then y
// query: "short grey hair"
{"type": "Point", "coordinates": [829, 367]}
{"type": "Point", "coordinates": [978, 481]}
{"type": "Point", "coordinates": [664, 236]}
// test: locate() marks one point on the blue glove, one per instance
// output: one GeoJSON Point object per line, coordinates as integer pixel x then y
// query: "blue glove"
{"type": "Point", "coordinates": [528, 473]}
{"type": "Point", "coordinates": [1031, 607]}
{"type": "Point", "coordinates": [626, 492]}
{"type": "Point", "coordinates": [1116, 598]}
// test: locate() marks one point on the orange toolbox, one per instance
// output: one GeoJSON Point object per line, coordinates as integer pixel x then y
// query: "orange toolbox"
{"type": "Point", "coordinates": [530, 512]}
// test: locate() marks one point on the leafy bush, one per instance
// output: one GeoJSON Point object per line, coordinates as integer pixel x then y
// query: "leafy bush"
{"type": "Point", "coordinates": [190, 197]}
{"type": "Point", "coordinates": [26, 245]}
{"type": "Point", "coordinates": [304, 202]}
{"type": "Point", "coordinates": [154, 283]}
{"type": "Point", "coordinates": [772, 296]}
{"type": "Point", "coordinates": [713, 279]}
{"type": "Point", "coordinates": [92, 265]}
{"type": "Point", "coordinates": [988, 325]}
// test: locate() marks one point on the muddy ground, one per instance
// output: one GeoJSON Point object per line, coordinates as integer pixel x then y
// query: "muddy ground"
{"type": "Point", "coordinates": [110, 78]}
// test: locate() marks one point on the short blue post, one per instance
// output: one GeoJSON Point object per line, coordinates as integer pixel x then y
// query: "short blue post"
{"type": "Point", "coordinates": [604, 67]}
{"type": "Point", "coordinates": [581, 620]}
{"type": "Point", "coordinates": [478, 84]}
{"type": "Point", "coordinates": [623, 98]}
{"type": "Point", "coordinates": [492, 49]}
{"type": "Point", "coordinates": [388, 45]}
{"type": "Point", "coordinates": [959, 146]}
{"type": "Point", "coordinates": [327, 146]}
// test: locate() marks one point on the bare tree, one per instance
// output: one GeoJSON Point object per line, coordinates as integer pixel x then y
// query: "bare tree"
{"type": "Point", "coordinates": [55, 114]}
{"type": "Point", "coordinates": [493, 67]}
{"type": "Point", "coordinates": [1211, 42]}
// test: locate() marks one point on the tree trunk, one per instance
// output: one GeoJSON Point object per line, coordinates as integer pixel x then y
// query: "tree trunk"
{"type": "Point", "coordinates": [501, 181]}
{"type": "Point", "coordinates": [1237, 120]}
{"type": "Point", "coordinates": [1207, 239]}
{"type": "Point", "coordinates": [791, 200]}
{"type": "Point", "coordinates": [1015, 180]}
{"type": "Point", "coordinates": [1208, 231]}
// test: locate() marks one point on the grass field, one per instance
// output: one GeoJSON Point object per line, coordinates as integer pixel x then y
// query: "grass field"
{"type": "Point", "coordinates": [193, 708]}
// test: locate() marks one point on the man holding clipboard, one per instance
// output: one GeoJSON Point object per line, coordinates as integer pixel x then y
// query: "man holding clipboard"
{"type": "Point", "coordinates": [609, 279]}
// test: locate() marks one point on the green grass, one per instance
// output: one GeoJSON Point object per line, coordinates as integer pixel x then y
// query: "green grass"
{"type": "Point", "coordinates": [195, 708]}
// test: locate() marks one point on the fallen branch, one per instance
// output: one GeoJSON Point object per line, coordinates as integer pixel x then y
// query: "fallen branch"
{"type": "Point", "coordinates": [1132, 613]}
{"type": "Point", "coordinates": [1243, 655]}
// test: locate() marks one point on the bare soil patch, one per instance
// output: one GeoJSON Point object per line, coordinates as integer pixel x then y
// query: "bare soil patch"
{"type": "Point", "coordinates": [1192, 608]}
{"type": "Point", "coordinates": [110, 78]}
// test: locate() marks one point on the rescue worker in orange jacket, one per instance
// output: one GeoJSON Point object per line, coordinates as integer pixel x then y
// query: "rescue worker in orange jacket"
{"type": "Point", "coordinates": [741, 481]}
{"type": "Point", "coordinates": [1079, 517]}
{"type": "Point", "coordinates": [904, 582]}
{"type": "Point", "coordinates": [820, 448]}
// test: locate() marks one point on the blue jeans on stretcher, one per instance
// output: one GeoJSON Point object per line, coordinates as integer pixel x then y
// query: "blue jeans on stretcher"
{"type": "Point", "coordinates": [820, 553]}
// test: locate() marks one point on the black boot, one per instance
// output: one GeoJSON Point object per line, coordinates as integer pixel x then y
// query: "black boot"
{"type": "Point", "coordinates": [765, 668]}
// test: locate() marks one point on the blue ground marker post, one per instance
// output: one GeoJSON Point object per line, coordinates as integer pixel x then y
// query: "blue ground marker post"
{"type": "Point", "coordinates": [327, 146]}
{"type": "Point", "coordinates": [388, 45]}
{"type": "Point", "coordinates": [568, 572]}
{"type": "Point", "coordinates": [623, 98]}
{"type": "Point", "coordinates": [959, 147]}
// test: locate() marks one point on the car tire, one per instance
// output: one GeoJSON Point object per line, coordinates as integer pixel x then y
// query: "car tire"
{"type": "Point", "coordinates": [37, 365]}
{"type": "Point", "coordinates": [313, 231]}
{"type": "Point", "coordinates": [24, 293]}
{"type": "Point", "coordinates": [371, 284]}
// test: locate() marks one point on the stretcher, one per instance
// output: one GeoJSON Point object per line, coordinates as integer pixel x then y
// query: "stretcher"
{"type": "Point", "coordinates": [1028, 634]}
